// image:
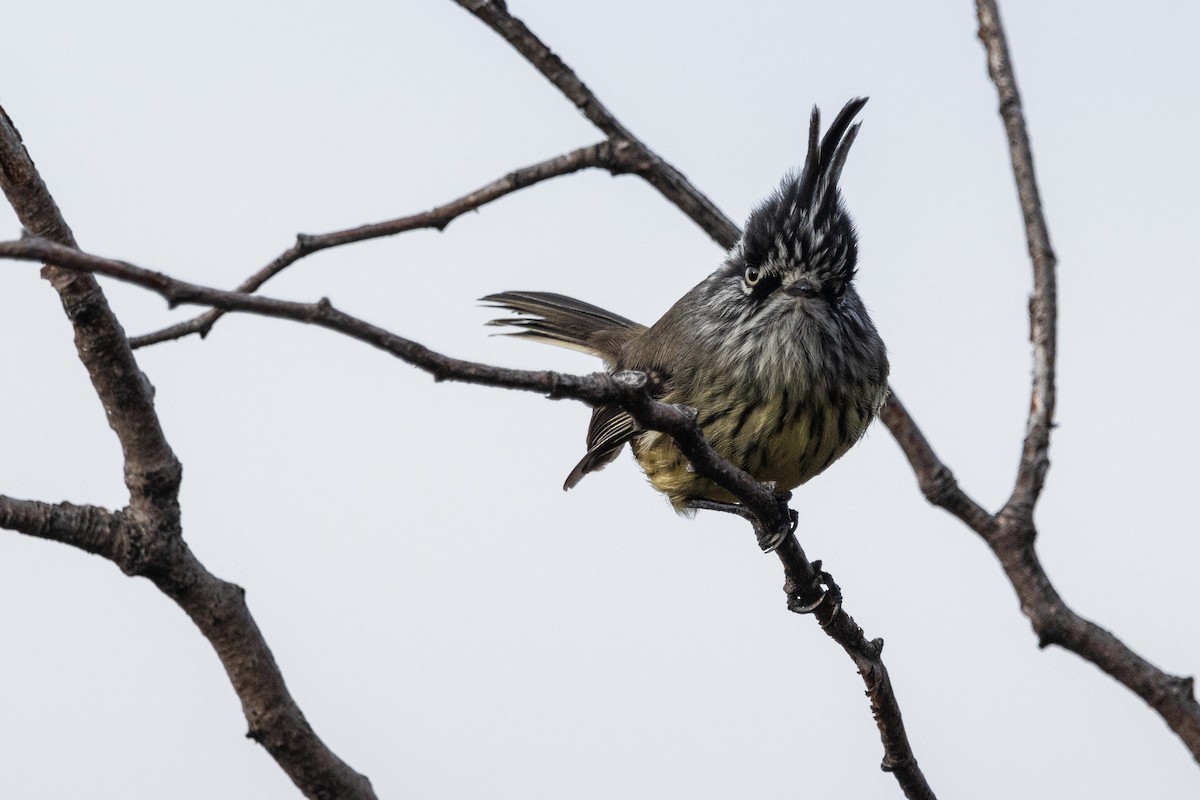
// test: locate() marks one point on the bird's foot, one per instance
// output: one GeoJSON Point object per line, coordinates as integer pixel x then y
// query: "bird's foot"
{"type": "Point", "coordinates": [768, 541]}
{"type": "Point", "coordinates": [824, 591]}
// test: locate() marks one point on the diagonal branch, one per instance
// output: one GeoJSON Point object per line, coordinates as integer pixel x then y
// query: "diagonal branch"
{"type": "Point", "coordinates": [1011, 540]}
{"type": "Point", "coordinates": [936, 480]}
{"type": "Point", "coordinates": [219, 609]}
{"type": "Point", "coordinates": [810, 590]}
{"type": "Point", "coordinates": [152, 472]}
{"type": "Point", "coordinates": [658, 173]}
{"type": "Point", "coordinates": [601, 154]}
{"type": "Point", "coordinates": [1043, 305]}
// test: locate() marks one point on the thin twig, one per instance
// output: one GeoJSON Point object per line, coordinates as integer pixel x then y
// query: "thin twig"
{"type": "Point", "coordinates": [621, 153]}
{"type": "Point", "coordinates": [600, 154]}
{"type": "Point", "coordinates": [1043, 305]}
{"type": "Point", "coordinates": [678, 191]}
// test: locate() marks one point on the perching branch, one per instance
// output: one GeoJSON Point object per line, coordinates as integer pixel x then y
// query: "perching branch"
{"type": "Point", "coordinates": [809, 589]}
{"type": "Point", "coordinates": [1010, 534]}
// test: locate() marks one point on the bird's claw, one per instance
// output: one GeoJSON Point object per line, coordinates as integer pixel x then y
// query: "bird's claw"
{"type": "Point", "coordinates": [770, 542]}
{"type": "Point", "coordinates": [831, 594]}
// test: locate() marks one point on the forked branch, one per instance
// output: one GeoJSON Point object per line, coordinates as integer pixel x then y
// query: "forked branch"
{"type": "Point", "coordinates": [146, 537]}
{"type": "Point", "coordinates": [1011, 533]}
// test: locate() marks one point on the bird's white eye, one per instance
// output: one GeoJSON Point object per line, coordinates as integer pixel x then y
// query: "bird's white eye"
{"type": "Point", "coordinates": [752, 275]}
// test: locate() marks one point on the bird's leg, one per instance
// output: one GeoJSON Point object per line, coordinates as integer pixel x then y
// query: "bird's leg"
{"type": "Point", "coordinates": [767, 540]}
{"type": "Point", "coordinates": [716, 505]}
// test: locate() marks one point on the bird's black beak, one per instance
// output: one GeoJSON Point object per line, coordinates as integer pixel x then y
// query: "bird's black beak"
{"type": "Point", "coordinates": [802, 288]}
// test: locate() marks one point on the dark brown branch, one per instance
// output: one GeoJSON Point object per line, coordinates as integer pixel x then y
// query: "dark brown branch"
{"type": "Point", "coordinates": [152, 472]}
{"type": "Point", "coordinates": [1011, 538]}
{"type": "Point", "coordinates": [601, 154]}
{"type": "Point", "coordinates": [1055, 623]}
{"type": "Point", "coordinates": [868, 658]}
{"type": "Point", "coordinates": [90, 528]}
{"type": "Point", "coordinates": [936, 480]}
{"type": "Point", "coordinates": [1043, 305]}
{"type": "Point", "coordinates": [219, 609]}
{"type": "Point", "coordinates": [1011, 534]}
{"type": "Point", "coordinates": [809, 589]}
{"type": "Point", "coordinates": [146, 538]}
{"type": "Point", "coordinates": [658, 173]}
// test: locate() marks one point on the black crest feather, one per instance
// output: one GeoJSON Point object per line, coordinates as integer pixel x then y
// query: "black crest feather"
{"type": "Point", "coordinates": [807, 207]}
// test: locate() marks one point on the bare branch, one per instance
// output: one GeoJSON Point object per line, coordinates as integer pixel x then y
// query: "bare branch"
{"type": "Point", "coordinates": [1043, 305]}
{"type": "Point", "coordinates": [91, 528]}
{"type": "Point", "coordinates": [601, 154]}
{"type": "Point", "coordinates": [146, 538]}
{"type": "Point", "coordinates": [661, 175]}
{"type": "Point", "coordinates": [1012, 539]}
{"type": "Point", "coordinates": [1011, 534]}
{"type": "Point", "coordinates": [1055, 623]}
{"type": "Point", "coordinates": [809, 589]}
{"type": "Point", "coordinates": [621, 153]}
{"type": "Point", "coordinates": [152, 472]}
{"type": "Point", "coordinates": [219, 609]}
{"type": "Point", "coordinates": [935, 478]}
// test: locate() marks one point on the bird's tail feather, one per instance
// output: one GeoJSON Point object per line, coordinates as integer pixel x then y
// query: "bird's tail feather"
{"type": "Point", "coordinates": [566, 322]}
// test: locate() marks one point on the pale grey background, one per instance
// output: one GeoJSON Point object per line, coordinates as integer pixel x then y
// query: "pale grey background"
{"type": "Point", "coordinates": [450, 621]}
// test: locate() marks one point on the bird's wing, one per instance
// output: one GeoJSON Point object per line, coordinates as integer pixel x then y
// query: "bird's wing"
{"type": "Point", "coordinates": [611, 427]}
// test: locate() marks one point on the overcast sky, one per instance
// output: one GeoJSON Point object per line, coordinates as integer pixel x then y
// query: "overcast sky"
{"type": "Point", "coordinates": [449, 620]}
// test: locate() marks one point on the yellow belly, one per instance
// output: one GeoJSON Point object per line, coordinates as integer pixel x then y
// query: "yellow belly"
{"type": "Point", "coordinates": [785, 445]}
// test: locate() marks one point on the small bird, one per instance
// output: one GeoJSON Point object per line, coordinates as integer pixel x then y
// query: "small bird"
{"type": "Point", "coordinates": [775, 350]}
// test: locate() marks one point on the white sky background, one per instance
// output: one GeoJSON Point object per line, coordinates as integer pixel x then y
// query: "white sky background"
{"type": "Point", "coordinates": [450, 621]}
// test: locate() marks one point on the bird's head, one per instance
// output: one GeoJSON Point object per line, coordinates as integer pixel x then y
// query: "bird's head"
{"type": "Point", "coordinates": [800, 244]}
